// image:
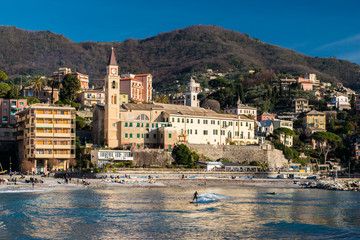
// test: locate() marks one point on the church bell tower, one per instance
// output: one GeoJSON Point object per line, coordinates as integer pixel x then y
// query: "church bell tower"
{"type": "Point", "coordinates": [112, 92]}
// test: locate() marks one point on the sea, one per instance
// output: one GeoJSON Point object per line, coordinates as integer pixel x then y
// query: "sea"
{"type": "Point", "coordinates": [167, 213]}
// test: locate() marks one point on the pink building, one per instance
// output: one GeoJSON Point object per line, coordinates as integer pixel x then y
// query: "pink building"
{"type": "Point", "coordinates": [137, 86]}
{"type": "Point", "coordinates": [306, 86]}
{"type": "Point", "coordinates": [8, 109]}
{"type": "Point", "coordinates": [266, 116]}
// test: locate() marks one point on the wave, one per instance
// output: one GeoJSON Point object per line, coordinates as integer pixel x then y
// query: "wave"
{"type": "Point", "coordinates": [25, 190]}
{"type": "Point", "coordinates": [211, 197]}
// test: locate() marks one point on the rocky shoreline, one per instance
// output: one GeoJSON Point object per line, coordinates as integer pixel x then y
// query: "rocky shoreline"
{"type": "Point", "coordinates": [336, 184]}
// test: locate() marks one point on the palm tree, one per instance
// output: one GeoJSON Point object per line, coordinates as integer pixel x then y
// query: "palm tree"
{"type": "Point", "coordinates": [37, 84]}
{"type": "Point", "coordinates": [53, 83]}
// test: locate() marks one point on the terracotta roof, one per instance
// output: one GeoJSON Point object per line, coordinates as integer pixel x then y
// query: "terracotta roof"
{"type": "Point", "coordinates": [141, 75]}
{"type": "Point", "coordinates": [314, 112]}
{"type": "Point", "coordinates": [112, 59]}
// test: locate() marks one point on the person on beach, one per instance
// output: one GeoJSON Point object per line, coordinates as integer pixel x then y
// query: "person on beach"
{"type": "Point", "coordinates": [195, 198]}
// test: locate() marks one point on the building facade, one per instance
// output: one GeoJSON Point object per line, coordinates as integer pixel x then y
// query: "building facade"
{"type": "Point", "coordinates": [315, 119]}
{"type": "Point", "coordinates": [90, 97]}
{"type": "Point", "coordinates": [286, 140]}
{"type": "Point", "coordinates": [101, 157]}
{"type": "Point", "coordinates": [301, 105]}
{"type": "Point", "coordinates": [44, 95]}
{"type": "Point", "coordinates": [242, 109]}
{"type": "Point", "coordinates": [9, 108]}
{"type": "Point", "coordinates": [138, 87]}
{"type": "Point", "coordinates": [46, 136]}
{"type": "Point", "coordinates": [83, 78]}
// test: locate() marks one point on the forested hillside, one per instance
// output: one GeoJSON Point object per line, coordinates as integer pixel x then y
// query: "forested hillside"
{"type": "Point", "coordinates": [166, 56]}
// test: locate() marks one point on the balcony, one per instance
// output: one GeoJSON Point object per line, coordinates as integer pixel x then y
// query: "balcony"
{"type": "Point", "coordinates": [44, 134]}
{"type": "Point", "coordinates": [43, 146]}
{"type": "Point", "coordinates": [42, 155]}
{"type": "Point", "coordinates": [67, 125]}
{"type": "Point", "coordinates": [66, 135]}
{"type": "Point", "coordinates": [44, 125]}
{"type": "Point", "coordinates": [64, 156]}
{"type": "Point", "coordinates": [69, 116]}
{"type": "Point", "coordinates": [65, 147]}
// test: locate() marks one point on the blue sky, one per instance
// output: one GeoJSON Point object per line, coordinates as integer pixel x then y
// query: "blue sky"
{"type": "Point", "coordinates": [316, 28]}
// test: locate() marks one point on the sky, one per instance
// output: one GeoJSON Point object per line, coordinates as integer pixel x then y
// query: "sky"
{"type": "Point", "coordinates": [316, 28]}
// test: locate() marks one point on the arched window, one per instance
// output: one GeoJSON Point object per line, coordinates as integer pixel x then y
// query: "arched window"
{"type": "Point", "coordinates": [142, 117]}
{"type": "Point", "coordinates": [113, 84]}
{"type": "Point", "coordinates": [113, 99]}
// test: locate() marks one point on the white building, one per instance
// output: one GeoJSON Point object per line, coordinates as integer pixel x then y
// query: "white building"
{"type": "Point", "coordinates": [340, 102]}
{"type": "Point", "coordinates": [242, 109]}
{"type": "Point", "coordinates": [102, 157]}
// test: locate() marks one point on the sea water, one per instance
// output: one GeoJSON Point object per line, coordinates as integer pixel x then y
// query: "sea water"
{"type": "Point", "coordinates": [166, 213]}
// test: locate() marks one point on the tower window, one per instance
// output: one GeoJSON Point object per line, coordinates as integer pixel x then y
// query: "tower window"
{"type": "Point", "coordinates": [113, 84]}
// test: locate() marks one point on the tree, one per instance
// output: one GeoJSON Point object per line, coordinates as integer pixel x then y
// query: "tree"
{"type": "Point", "coordinates": [70, 87]}
{"type": "Point", "coordinates": [162, 99]}
{"type": "Point", "coordinates": [183, 155]}
{"type": "Point", "coordinates": [14, 91]}
{"type": "Point", "coordinates": [4, 89]}
{"type": "Point", "coordinates": [53, 83]}
{"type": "Point", "coordinates": [32, 100]}
{"type": "Point", "coordinates": [327, 141]}
{"type": "Point", "coordinates": [218, 82]}
{"type": "Point", "coordinates": [210, 104]}
{"type": "Point", "coordinates": [3, 76]}
{"type": "Point", "coordinates": [37, 84]}
{"type": "Point", "coordinates": [287, 132]}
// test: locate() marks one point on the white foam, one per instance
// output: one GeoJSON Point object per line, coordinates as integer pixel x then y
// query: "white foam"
{"type": "Point", "coordinates": [210, 197]}
{"type": "Point", "coordinates": [25, 190]}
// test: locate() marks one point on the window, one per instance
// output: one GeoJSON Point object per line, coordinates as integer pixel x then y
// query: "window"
{"type": "Point", "coordinates": [215, 131]}
{"type": "Point", "coordinates": [130, 135]}
{"type": "Point", "coordinates": [187, 120]}
{"type": "Point", "coordinates": [113, 84]}
{"type": "Point", "coordinates": [147, 135]}
{"type": "Point", "coordinates": [130, 124]}
{"type": "Point", "coordinates": [182, 120]}
{"type": "Point", "coordinates": [138, 125]}
{"type": "Point", "coordinates": [142, 135]}
{"type": "Point", "coordinates": [248, 135]}
{"type": "Point", "coordinates": [169, 135]}
{"type": "Point", "coordinates": [142, 117]}
{"type": "Point", "coordinates": [154, 135]}
{"type": "Point", "coordinates": [198, 121]}
{"type": "Point", "coordinates": [147, 125]}
{"type": "Point", "coordinates": [5, 103]}
{"type": "Point", "coordinates": [138, 135]}
{"type": "Point", "coordinates": [191, 120]}
{"type": "Point", "coordinates": [172, 120]}
{"type": "Point", "coordinates": [205, 121]}
{"type": "Point", "coordinates": [5, 110]}
{"type": "Point", "coordinates": [196, 131]}
{"type": "Point", "coordinates": [178, 120]}
{"type": "Point", "coordinates": [126, 135]}
{"type": "Point", "coordinates": [247, 123]}
{"type": "Point", "coordinates": [126, 124]}
{"type": "Point", "coordinates": [205, 132]}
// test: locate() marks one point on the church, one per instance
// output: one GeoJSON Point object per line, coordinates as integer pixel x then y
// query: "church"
{"type": "Point", "coordinates": [157, 125]}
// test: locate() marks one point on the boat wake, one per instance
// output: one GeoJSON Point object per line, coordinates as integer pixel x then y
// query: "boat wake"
{"type": "Point", "coordinates": [210, 197]}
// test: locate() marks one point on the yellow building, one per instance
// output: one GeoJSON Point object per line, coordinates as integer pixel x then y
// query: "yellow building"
{"type": "Point", "coordinates": [301, 105]}
{"type": "Point", "coordinates": [315, 119]}
{"type": "Point", "coordinates": [46, 136]}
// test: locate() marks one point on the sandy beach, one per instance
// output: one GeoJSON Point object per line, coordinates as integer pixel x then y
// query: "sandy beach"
{"type": "Point", "coordinates": [51, 183]}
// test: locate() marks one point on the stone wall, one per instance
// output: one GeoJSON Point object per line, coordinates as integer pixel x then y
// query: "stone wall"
{"type": "Point", "coordinates": [152, 157]}
{"type": "Point", "coordinates": [242, 154]}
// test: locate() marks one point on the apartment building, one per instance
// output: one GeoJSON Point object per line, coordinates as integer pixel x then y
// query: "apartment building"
{"type": "Point", "coordinates": [84, 79]}
{"type": "Point", "coordinates": [100, 157]}
{"type": "Point", "coordinates": [46, 136]}
{"type": "Point", "coordinates": [301, 105]}
{"type": "Point", "coordinates": [9, 108]}
{"type": "Point", "coordinates": [279, 123]}
{"type": "Point", "coordinates": [314, 119]}
{"type": "Point", "coordinates": [89, 97]}
{"type": "Point", "coordinates": [44, 95]}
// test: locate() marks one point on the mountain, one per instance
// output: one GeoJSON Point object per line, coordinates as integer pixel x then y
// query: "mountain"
{"type": "Point", "coordinates": [166, 56]}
